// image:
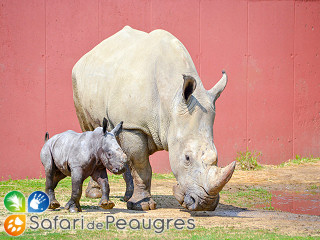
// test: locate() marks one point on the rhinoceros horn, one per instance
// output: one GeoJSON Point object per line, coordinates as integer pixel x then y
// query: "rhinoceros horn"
{"type": "Point", "coordinates": [219, 87]}
{"type": "Point", "coordinates": [218, 177]}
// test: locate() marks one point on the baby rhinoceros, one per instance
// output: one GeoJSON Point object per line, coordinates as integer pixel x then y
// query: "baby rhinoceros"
{"type": "Point", "coordinates": [81, 155]}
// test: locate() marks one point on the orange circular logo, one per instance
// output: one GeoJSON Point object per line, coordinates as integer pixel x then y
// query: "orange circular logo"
{"type": "Point", "coordinates": [15, 224]}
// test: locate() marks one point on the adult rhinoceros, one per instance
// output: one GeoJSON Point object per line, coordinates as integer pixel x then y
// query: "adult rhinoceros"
{"type": "Point", "coordinates": [150, 82]}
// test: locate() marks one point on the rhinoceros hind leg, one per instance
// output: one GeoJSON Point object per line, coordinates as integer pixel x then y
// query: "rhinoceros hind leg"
{"type": "Point", "coordinates": [53, 176]}
{"type": "Point", "coordinates": [93, 190]}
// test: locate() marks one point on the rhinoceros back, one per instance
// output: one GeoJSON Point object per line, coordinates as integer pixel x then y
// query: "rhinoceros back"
{"type": "Point", "coordinates": [93, 74]}
{"type": "Point", "coordinates": [133, 77]}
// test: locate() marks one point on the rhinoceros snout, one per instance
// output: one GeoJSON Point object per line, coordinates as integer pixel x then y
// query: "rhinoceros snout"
{"type": "Point", "coordinates": [189, 202]}
{"type": "Point", "coordinates": [206, 197]}
{"type": "Point", "coordinates": [117, 163]}
{"type": "Point", "coordinates": [118, 170]}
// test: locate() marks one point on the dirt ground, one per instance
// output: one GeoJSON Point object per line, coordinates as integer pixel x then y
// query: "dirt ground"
{"type": "Point", "coordinates": [293, 178]}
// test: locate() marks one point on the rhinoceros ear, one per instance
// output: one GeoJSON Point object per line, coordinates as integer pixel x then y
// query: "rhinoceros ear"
{"type": "Point", "coordinates": [116, 131]}
{"type": "Point", "coordinates": [105, 125]}
{"type": "Point", "coordinates": [219, 87]}
{"type": "Point", "coordinates": [189, 85]}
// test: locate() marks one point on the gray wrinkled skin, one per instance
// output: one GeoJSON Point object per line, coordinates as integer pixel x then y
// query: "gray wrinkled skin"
{"type": "Point", "coordinates": [150, 81]}
{"type": "Point", "coordinates": [81, 155]}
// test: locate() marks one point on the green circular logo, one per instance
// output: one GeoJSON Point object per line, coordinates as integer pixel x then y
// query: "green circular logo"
{"type": "Point", "coordinates": [15, 201]}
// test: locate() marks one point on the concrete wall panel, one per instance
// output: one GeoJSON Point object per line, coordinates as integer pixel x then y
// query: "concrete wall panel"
{"type": "Point", "coordinates": [270, 79]}
{"type": "Point", "coordinates": [22, 87]}
{"type": "Point", "coordinates": [71, 31]}
{"type": "Point", "coordinates": [307, 79]}
{"type": "Point", "coordinates": [224, 46]}
{"type": "Point", "coordinates": [270, 50]}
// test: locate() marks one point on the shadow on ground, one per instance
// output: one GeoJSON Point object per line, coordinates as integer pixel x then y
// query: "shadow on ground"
{"type": "Point", "coordinates": [166, 202]}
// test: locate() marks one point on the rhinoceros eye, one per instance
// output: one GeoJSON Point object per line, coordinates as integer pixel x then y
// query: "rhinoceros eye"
{"type": "Point", "coordinates": [109, 154]}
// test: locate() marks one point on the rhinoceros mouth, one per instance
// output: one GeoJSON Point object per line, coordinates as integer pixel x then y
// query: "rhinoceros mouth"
{"type": "Point", "coordinates": [192, 201]}
{"type": "Point", "coordinates": [115, 170]}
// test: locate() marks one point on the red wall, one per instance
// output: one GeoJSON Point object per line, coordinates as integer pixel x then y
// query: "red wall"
{"type": "Point", "coordinates": [270, 50]}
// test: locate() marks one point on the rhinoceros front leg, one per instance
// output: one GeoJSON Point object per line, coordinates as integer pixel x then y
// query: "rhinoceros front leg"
{"type": "Point", "coordinates": [101, 177]}
{"type": "Point", "coordinates": [135, 145]}
{"type": "Point", "coordinates": [93, 189]}
{"type": "Point", "coordinates": [129, 183]}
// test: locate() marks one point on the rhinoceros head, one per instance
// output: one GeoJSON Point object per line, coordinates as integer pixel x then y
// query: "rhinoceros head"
{"type": "Point", "coordinates": [110, 153]}
{"type": "Point", "coordinates": [192, 154]}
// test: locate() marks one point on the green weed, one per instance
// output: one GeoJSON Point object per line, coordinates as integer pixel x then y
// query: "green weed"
{"type": "Point", "coordinates": [162, 175]}
{"type": "Point", "coordinates": [248, 160]}
{"type": "Point", "coordinates": [314, 187]}
{"type": "Point", "coordinates": [299, 160]}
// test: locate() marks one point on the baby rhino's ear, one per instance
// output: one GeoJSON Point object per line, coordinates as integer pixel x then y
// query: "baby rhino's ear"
{"type": "Point", "coordinates": [116, 131]}
{"type": "Point", "coordinates": [105, 125]}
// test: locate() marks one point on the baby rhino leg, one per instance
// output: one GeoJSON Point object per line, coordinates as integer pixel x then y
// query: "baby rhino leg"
{"type": "Point", "coordinates": [52, 181]}
{"type": "Point", "coordinates": [53, 176]}
{"type": "Point", "coordinates": [129, 183]}
{"type": "Point", "coordinates": [101, 177]}
{"type": "Point", "coordinates": [77, 178]}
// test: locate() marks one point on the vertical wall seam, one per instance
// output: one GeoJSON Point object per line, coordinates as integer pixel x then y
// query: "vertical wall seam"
{"type": "Point", "coordinates": [45, 65]}
{"type": "Point", "coordinates": [200, 38]}
{"type": "Point", "coordinates": [99, 35]}
{"type": "Point", "coordinates": [247, 76]}
{"type": "Point", "coordinates": [151, 25]}
{"type": "Point", "coordinates": [294, 78]}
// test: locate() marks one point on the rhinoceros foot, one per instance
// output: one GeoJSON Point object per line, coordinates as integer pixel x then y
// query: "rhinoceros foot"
{"type": "Point", "coordinates": [73, 206]}
{"type": "Point", "coordinates": [93, 190]}
{"type": "Point", "coordinates": [106, 204]}
{"type": "Point", "coordinates": [54, 204]}
{"type": "Point", "coordinates": [144, 204]}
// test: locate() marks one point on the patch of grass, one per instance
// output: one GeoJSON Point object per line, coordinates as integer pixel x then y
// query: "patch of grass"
{"type": "Point", "coordinates": [38, 184]}
{"type": "Point", "coordinates": [162, 175]}
{"type": "Point", "coordinates": [197, 233]}
{"type": "Point", "coordinates": [35, 184]}
{"type": "Point", "coordinates": [27, 186]}
{"type": "Point", "coordinates": [243, 197]}
{"type": "Point", "coordinates": [299, 160]}
{"type": "Point", "coordinates": [314, 187]}
{"type": "Point", "coordinates": [113, 177]}
{"type": "Point", "coordinates": [249, 197]}
{"type": "Point", "coordinates": [268, 207]}
{"type": "Point", "coordinates": [233, 233]}
{"type": "Point", "coordinates": [31, 185]}
{"type": "Point", "coordinates": [248, 160]}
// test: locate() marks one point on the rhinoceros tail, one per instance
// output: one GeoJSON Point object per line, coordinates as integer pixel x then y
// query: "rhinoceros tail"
{"type": "Point", "coordinates": [46, 137]}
